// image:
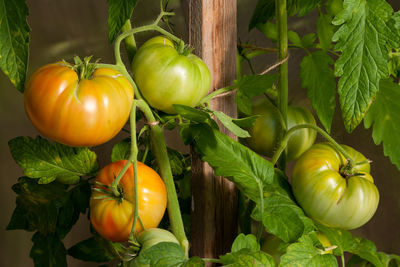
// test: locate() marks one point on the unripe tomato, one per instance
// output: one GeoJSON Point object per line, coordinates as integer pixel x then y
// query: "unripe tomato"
{"type": "Point", "coordinates": [166, 77]}
{"type": "Point", "coordinates": [153, 236]}
{"type": "Point", "coordinates": [328, 194]}
{"type": "Point", "coordinates": [86, 112]}
{"type": "Point", "coordinates": [265, 133]}
{"type": "Point", "coordinates": [111, 216]}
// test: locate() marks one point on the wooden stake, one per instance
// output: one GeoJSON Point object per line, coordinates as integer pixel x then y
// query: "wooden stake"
{"type": "Point", "coordinates": [213, 34]}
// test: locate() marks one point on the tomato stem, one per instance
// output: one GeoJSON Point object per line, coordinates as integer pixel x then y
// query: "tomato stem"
{"type": "Point", "coordinates": [283, 85]}
{"type": "Point", "coordinates": [160, 151]}
{"type": "Point", "coordinates": [133, 159]}
{"type": "Point", "coordinates": [285, 139]}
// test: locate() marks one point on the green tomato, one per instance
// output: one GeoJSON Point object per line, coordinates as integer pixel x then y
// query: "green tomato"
{"type": "Point", "coordinates": [266, 132]}
{"type": "Point", "coordinates": [330, 195]}
{"type": "Point", "coordinates": [153, 236]}
{"type": "Point", "coordinates": [166, 77]}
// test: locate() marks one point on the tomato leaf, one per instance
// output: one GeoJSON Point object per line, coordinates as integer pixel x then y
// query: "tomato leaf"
{"type": "Point", "coordinates": [269, 30]}
{"type": "Point", "coordinates": [195, 115]}
{"type": "Point", "coordinates": [281, 215]}
{"type": "Point", "coordinates": [48, 162]}
{"type": "Point", "coordinates": [162, 254]}
{"type": "Point", "coordinates": [14, 45]}
{"type": "Point", "coordinates": [243, 241]}
{"type": "Point", "coordinates": [230, 159]}
{"type": "Point", "coordinates": [304, 253]}
{"type": "Point", "coordinates": [194, 262]}
{"type": "Point", "coordinates": [48, 208]}
{"type": "Point", "coordinates": [48, 251]}
{"type": "Point", "coordinates": [325, 30]}
{"type": "Point", "coordinates": [121, 150]}
{"type": "Point", "coordinates": [365, 34]}
{"type": "Point", "coordinates": [384, 118]}
{"type": "Point", "coordinates": [246, 122]}
{"type": "Point", "coordinates": [38, 206]}
{"type": "Point", "coordinates": [317, 77]}
{"type": "Point", "coordinates": [230, 125]}
{"type": "Point", "coordinates": [92, 249]}
{"type": "Point", "coordinates": [247, 258]}
{"type": "Point", "coordinates": [265, 10]}
{"type": "Point", "coordinates": [119, 11]}
{"type": "Point", "coordinates": [250, 86]}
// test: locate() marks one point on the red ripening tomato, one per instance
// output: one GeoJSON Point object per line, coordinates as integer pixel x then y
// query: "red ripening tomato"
{"type": "Point", "coordinates": [111, 216]}
{"type": "Point", "coordinates": [78, 112]}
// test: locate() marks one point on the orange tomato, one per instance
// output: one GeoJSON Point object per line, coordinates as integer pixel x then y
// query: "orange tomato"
{"type": "Point", "coordinates": [86, 112]}
{"type": "Point", "coordinates": [111, 216]}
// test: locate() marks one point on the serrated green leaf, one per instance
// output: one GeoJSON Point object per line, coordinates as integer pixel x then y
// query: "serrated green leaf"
{"type": "Point", "coordinates": [49, 162]}
{"type": "Point", "coordinates": [177, 161]}
{"type": "Point", "coordinates": [243, 241]}
{"type": "Point", "coordinates": [247, 258]}
{"type": "Point", "coordinates": [119, 11]}
{"type": "Point", "coordinates": [230, 125]}
{"type": "Point", "coordinates": [14, 46]}
{"type": "Point", "coordinates": [91, 249]}
{"type": "Point", "coordinates": [269, 29]}
{"type": "Point", "coordinates": [245, 168]}
{"type": "Point", "coordinates": [317, 77]}
{"type": "Point", "coordinates": [265, 10]}
{"type": "Point", "coordinates": [384, 117]}
{"type": "Point", "coordinates": [195, 115]}
{"type": "Point", "coordinates": [365, 249]}
{"type": "Point", "coordinates": [294, 38]}
{"type": "Point", "coordinates": [304, 253]}
{"type": "Point", "coordinates": [340, 238]}
{"type": "Point", "coordinates": [246, 122]}
{"type": "Point", "coordinates": [307, 41]}
{"type": "Point", "coordinates": [194, 262]}
{"type": "Point", "coordinates": [363, 38]}
{"type": "Point", "coordinates": [121, 150]}
{"type": "Point", "coordinates": [281, 215]}
{"type": "Point", "coordinates": [162, 254]}
{"type": "Point", "coordinates": [250, 86]}
{"type": "Point", "coordinates": [48, 251]}
{"type": "Point", "coordinates": [325, 30]}
{"type": "Point", "coordinates": [41, 205]}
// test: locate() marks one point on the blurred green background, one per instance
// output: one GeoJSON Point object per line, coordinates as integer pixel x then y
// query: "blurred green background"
{"type": "Point", "coordinates": [64, 28]}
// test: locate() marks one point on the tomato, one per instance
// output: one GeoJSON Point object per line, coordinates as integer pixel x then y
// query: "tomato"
{"type": "Point", "coordinates": [266, 132]}
{"type": "Point", "coordinates": [78, 112]}
{"type": "Point", "coordinates": [330, 195]}
{"type": "Point", "coordinates": [112, 217]}
{"type": "Point", "coordinates": [166, 77]}
{"type": "Point", "coordinates": [153, 236]}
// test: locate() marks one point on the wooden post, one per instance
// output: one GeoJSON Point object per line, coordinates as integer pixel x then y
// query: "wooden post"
{"type": "Point", "coordinates": [213, 34]}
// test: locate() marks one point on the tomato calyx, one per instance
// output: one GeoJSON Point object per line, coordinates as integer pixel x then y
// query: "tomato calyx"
{"type": "Point", "coordinates": [184, 49]}
{"type": "Point", "coordinates": [84, 68]}
{"type": "Point", "coordinates": [106, 192]}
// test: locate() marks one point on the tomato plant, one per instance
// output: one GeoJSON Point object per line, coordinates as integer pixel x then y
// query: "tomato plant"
{"type": "Point", "coordinates": [166, 76]}
{"type": "Point", "coordinates": [352, 59]}
{"type": "Point", "coordinates": [78, 111]}
{"type": "Point", "coordinates": [268, 129]}
{"type": "Point", "coordinates": [330, 193]}
{"type": "Point", "coordinates": [111, 216]}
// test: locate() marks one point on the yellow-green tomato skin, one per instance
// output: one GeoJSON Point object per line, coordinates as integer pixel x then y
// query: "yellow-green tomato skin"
{"type": "Point", "coordinates": [328, 197]}
{"type": "Point", "coordinates": [266, 133]}
{"type": "Point", "coordinates": [165, 77]}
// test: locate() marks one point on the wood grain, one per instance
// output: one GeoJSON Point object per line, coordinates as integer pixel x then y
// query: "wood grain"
{"type": "Point", "coordinates": [213, 34]}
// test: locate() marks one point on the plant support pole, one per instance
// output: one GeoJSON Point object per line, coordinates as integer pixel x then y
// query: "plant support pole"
{"type": "Point", "coordinates": [212, 34]}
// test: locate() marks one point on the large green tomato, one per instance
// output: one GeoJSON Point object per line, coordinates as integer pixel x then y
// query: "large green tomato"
{"type": "Point", "coordinates": [330, 195]}
{"type": "Point", "coordinates": [166, 77]}
{"type": "Point", "coordinates": [265, 133]}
